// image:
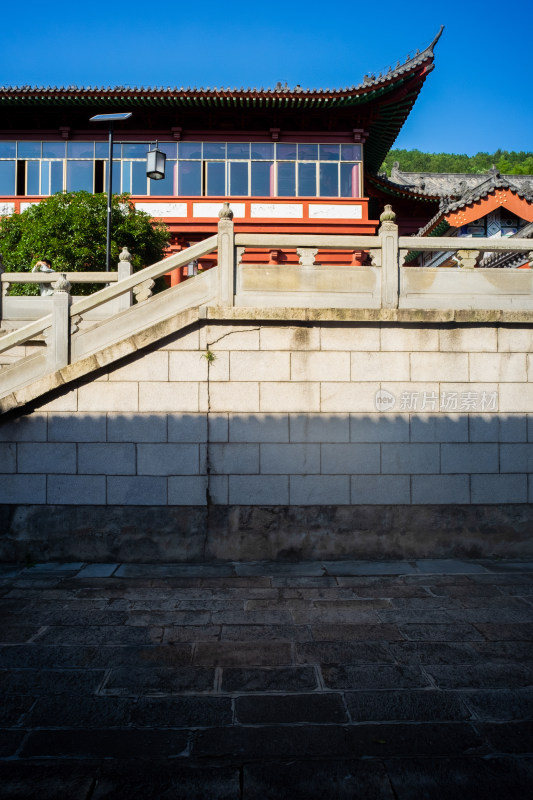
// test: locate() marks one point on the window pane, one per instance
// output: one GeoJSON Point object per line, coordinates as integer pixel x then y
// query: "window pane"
{"type": "Point", "coordinates": [238, 149]}
{"type": "Point", "coordinates": [45, 177]}
{"type": "Point", "coordinates": [329, 152]}
{"type": "Point", "coordinates": [350, 152]}
{"type": "Point", "coordinates": [53, 149]}
{"type": "Point", "coordinates": [329, 178]}
{"type": "Point", "coordinates": [117, 182]}
{"type": "Point", "coordinates": [32, 177]}
{"type": "Point", "coordinates": [286, 179]}
{"type": "Point", "coordinates": [190, 178]}
{"type": "Point", "coordinates": [79, 176]}
{"type": "Point", "coordinates": [262, 179]}
{"type": "Point", "coordinates": [307, 152]}
{"type": "Point", "coordinates": [56, 176]}
{"type": "Point", "coordinates": [29, 149]}
{"type": "Point", "coordinates": [166, 185]}
{"type": "Point", "coordinates": [286, 152]}
{"type": "Point", "coordinates": [307, 180]}
{"type": "Point", "coordinates": [138, 177]}
{"type": "Point", "coordinates": [190, 150]}
{"type": "Point", "coordinates": [7, 149]}
{"type": "Point", "coordinates": [7, 177]}
{"type": "Point", "coordinates": [216, 178]}
{"type": "Point", "coordinates": [238, 178]}
{"type": "Point", "coordinates": [350, 180]}
{"type": "Point", "coordinates": [101, 150]}
{"type": "Point", "coordinates": [214, 150]}
{"type": "Point", "coordinates": [263, 150]}
{"type": "Point", "coordinates": [80, 149]}
{"type": "Point", "coordinates": [134, 150]}
{"type": "Point", "coordinates": [126, 176]}
{"type": "Point", "coordinates": [168, 148]}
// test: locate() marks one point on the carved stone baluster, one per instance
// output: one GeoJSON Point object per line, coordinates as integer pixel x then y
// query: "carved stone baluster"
{"type": "Point", "coordinates": [467, 259]}
{"type": "Point", "coordinates": [307, 256]}
{"type": "Point", "coordinates": [143, 290]}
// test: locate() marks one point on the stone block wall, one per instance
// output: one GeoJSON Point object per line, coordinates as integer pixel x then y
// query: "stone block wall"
{"type": "Point", "coordinates": [298, 440]}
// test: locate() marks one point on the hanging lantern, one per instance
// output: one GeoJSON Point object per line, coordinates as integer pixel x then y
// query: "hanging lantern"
{"type": "Point", "coordinates": [155, 164]}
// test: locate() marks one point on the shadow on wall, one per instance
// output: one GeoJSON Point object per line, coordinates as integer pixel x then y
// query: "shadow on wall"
{"type": "Point", "coordinates": [190, 487]}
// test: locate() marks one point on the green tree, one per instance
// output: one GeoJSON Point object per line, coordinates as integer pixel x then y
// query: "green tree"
{"type": "Point", "coordinates": [508, 162]}
{"type": "Point", "coordinates": [70, 231]}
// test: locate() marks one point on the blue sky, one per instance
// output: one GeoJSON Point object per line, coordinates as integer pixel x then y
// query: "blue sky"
{"type": "Point", "coordinates": [479, 96]}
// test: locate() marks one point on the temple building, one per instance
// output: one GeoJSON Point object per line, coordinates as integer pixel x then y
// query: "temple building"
{"type": "Point", "coordinates": [483, 205]}
{"type": "Point", "coordinates": [288, 159]}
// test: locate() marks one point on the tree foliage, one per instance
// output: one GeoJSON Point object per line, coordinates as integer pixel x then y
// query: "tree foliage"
{"type": "Point", "coordinates": [70, 231]}
{"type": "Point", "coordinates": [507, 162]}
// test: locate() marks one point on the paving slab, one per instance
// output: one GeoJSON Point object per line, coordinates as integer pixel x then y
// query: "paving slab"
{"type": "Point", "coordinates": [238, 681]}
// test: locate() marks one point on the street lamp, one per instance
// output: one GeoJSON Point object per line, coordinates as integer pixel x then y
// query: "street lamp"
{"type": "Point", "coordinates": [110, 118]}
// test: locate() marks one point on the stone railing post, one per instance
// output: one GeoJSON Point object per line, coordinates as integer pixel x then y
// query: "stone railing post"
{"type": "Point", "coordinates": [388, 233]}
{"type": "Point", "coordinates": [2, 270]}
{"type": "Point", "coordinates": [226, 257]}
{"type": "Point", "coordinates": [58, 339]}
{"type": "Point", "coordinates": [124, 270]}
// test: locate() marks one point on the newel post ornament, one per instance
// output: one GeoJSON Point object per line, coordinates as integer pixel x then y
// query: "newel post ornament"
{"type": "Point", "coordinates": [388, 233]}
{"type": "Point", "coordinates": [226, 257]}
{"type": "Point", "coordinates": [58, 336]}
{"type": "Point", "coordinates": [124, 270]}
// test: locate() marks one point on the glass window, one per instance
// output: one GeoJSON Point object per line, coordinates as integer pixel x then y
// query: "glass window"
{"type": "Point", "coordinates": [307, 180]}
{"type": "Point", "coordinates": [262, 179]}
{"type": "Point", "coordinates": [286, 152]}
{"type": "Point", "coordinates": [53, 149]}
{"type": "Point", "coordinates": [238, 150]}
{"type": "Point", "coordinates": [190, 178]}
{"type": "Point", "coordinates": [7, 149]}
{"type": "Point", "coordinates": [286, 179]}
{"type": "Point", "coordinates": [308, 152]}
{"type": "Point", "coordinates": [126, 176]}
{"type": "Point", "coordinates": [29, 150]}
{"type": "Point", "coordinates": [45, 177]}
{"type": "Point", "coordinates": [101, 150]}
{"type": "Point", "coordinates": [7, 177]}
{"type": "Point", "coordinates": [138, 177]}
{"type": "Point", "coordinates": [80, 149]}
{"type": "Point", "coordinates": [216, 178]}
{"type": "Point", "coordinates": [214, 150]}
{"type": "Point", "coordinates": [329, 179]}
{"type": "Point", "coordinates": [263, 150]}
{"type": "Point", "coordinates": [350, 152]}
{"type": "Point", "coordinates": [56, 176]}
{"type": "Point", "coordinates": [32, 177]}
{"type": "Point", "coordinates": [166, 185]}
{"type": "Point", "coordinates": [168, 148]}
{"type": "Point", "coordinates": [79, 176]}
{"type": "Point", "coordinates": [190, 150]}
{"type": "Point", "coordinates": [350, 180]}
{"type": "Point", "coordinates": [238, 178]}
{"type": "Point", "coordinates": [329, 152]}
{"type": "Point", "coordinates": [116, 176]}
{"type": "Point", "coordinates": [134, 150]}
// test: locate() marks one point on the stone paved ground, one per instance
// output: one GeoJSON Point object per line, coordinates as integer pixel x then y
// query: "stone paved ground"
{"type": "Point", "coordinates": [402, 680]}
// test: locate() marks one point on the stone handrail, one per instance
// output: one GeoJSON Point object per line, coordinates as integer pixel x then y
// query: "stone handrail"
{"type": "Point", "coordinates": [293, 240]}
{"type": "Point", "coordinates": [437, 243]}
{"type": "Point", "coordinates": [148, 273]}
{"type": "Point", "coordinates": [51, 277]}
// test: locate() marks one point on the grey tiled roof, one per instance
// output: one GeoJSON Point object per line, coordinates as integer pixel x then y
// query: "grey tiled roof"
{"type": "Point", "coordinates": [465, 192]}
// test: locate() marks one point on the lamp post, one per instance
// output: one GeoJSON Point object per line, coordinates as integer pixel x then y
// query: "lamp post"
{"type": "Point", "coordinates": [110, 118]}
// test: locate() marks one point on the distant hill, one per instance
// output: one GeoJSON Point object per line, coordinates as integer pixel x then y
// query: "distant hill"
{"type": "Point", "coordinates": [507, 162]}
